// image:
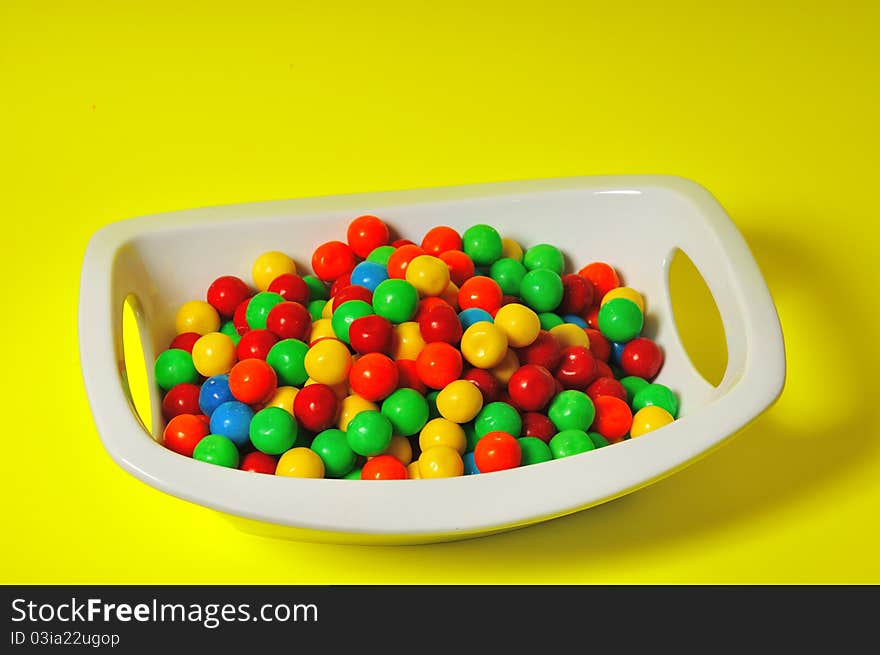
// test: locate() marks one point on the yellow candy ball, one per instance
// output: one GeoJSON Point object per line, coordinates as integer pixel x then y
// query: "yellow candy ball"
{"type": "Point", "coordinates": [300, 463]}
{"type": "Point", "coordinates": [450, 295]}
{"type": "Point", "coordinates": [511, 249]}
{"type": "Point", "coordinates": [213, 354]}
{"type": "Point", "coordinates": [321, 328]}
{"type": "Point", "coordinates": [327, 309]}
{"type": "Point", "coordinates": [270, 265]}
{"type": "Point", "coordinates": [407, 342]}
{"type": "Point", "coordinates": [460, 401]}
{"type": "Point", "coordinates": [569, 334]}
{"type": "Point", "coordinates": [625, 292]}
{"type": "Point", "coordinates": [519, 323]}
{"type": "Point", "coordinates": [401, 448]}
{"type": "Point", "coordinates": [429, 275]}
{"type": "Point", "coordinates": [283, 398]}
{"type": "Point", "coordinates": [484, 345]}
{"type": "Point", "coordinates": [649, 419]}
{"type": "Point", "coordinates": [442, 432]}
{"type": "Point", "coordinates": [412, 471]}
{"type": "Point", "coordinates": [508, 366]}
{"type": "Point", "coordinates": [351, 406]}
{"type": "Point", "coordinates": [328, 362]}
{"type": "Point", "coordinates": [440, 462]}
{"type": "Point", "coordinates": [197, 316]}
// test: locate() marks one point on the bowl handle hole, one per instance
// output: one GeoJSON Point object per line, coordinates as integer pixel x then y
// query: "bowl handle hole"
{"type": "Point", "coordinates": [135, 375]}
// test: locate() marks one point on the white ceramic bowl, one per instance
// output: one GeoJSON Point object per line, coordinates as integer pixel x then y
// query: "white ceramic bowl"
{"type": "Point", "coordinates": [636, 223]}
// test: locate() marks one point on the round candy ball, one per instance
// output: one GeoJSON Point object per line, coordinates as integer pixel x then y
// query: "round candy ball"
{"type": "Point", "coordinates": [287, 359]}
{"type": "Point", "coordinates": [407, 410]}
{"type": "Point", "coordinates": [649, 419]}
{"type": "Point", "coordinates": [289, 320]}
{"type": "Point", "coordinates": [606, 387]}
{"type": "Point", "coordinates": [549, 320]}
{"type": "Point", "coordinates": [214, 392]}
{"type": "Point", "coordinates": [273, 430]}
{"type": "Point", "coordinates": [183, 433]}
{"type": "Point", "coordinates": [226, 293]}
{"type": "Point", "coordinates": [395, 300]}
{"type": "Point", "coordinates": [544, 255]}
{"type": "Point", "coordinates": [370, 334]}
{"type": "Point", "coordinates": [366, 233]}
{"type": "Point", "coordinates": [351, 406]}
{"type": "Point", "coordinates": [620, 320]}
{"type": "Point", "coordinates": [601, 276]}
{"type": "Point", "coordinates": [333, 449]}
{"type": "Point", "coordinates": [300, 463]}
{"type": "Point", "coordinates": [291, 287]}
{"type": "Point", "coordinates": [442, 432]}
{"type": "Point", "coordinates": [577, 368]}
{"type": "Point", "coordinates": [438, 364]}
{"type": "Point", "coordinates": [570, 442]}
{"type": "Point", "coordinates": [482, 293]}
{"type": "Point", "coordinates": [317, 289]}
{"type": "Point", "coordinates": [498, 417]}
{"type": "Point", "coordinates": [181, 399]}
{"type": "Point", "coordinates": [482, 244]}
{"type": "Point", "coordinates": [461, 267]}
{"type": "Point", "coordinates": [508, 273]}
{"type": "Point", "coordinates": [369, 433]}
{"type": "Point", "coordinates": [186, 341]}
{"type": "Point", "coordinates": [641, 357]}
{"type": "Point", "coordinates": [520, 325]}
{"type": "Point", "coordinates": [543, 351]}
{"type": "Point", "coordinates": [373, 376]}
{"type": "Point", "coordinates": [213, 354]}
{"type": "Point", "coordinates": [216, 449]}
{"type": "Point", "coordinates": [345, 315]}
{"type": "Point", "coordinates": [428, 274]}
{"type": "Point", "coordinates": [406, 341]}
{"type": "Point", "coordinates": [625, 292]}
{"type": "Point", "coordinates": [632, 384]}
{"type": "Point", "coordinates": [440, 462]}
{"type": "Point", "coordinates": [569, 334]}
{"type": "Point", "coordinates": [470, 466]}
{"type": "Point", "coordinates": [542, 290]}
{"type": "Point", "coordinates": [497, 451]}
{"type": "Point", "coordinates": [257, 462]}
{"type": "Point", "coordinates": [175, 367]}
{"type": "Point", "coordinates": [255, 344]}
{"type": "Point", "coordinates": [460, 401]}
{"type": "Point", "coordinates": [258, 309]}
{"type": "Point", "coordinates": [233, 420]}
{"type": "Point", "coordinates": [270, 265]}
{"type": "Point", "coordinates": [468, 317]}
{"type": "Point", "coordinates": [655, 395]}
{"type": "Point", "coordinates": [441, 239]}
{"type": "Point", "coordinates": [315, 407]}
{"type": "Point", "coordinates": [283, 398]}
{"type": "Point", "coordinates": [440, 323]}
{"type": "Point", "coordinates": [613, 418]}
{"type": "Point", "coordinates": [511, 249]}
{"type": "Point", "coordinates": [484, 345]}
{"type": "Point", "coordinates": [401, 448]}
{"type": "Point", "coordinates": [488, 384]}
{"type": "Point", "coordinates": [383, 467]}
{"type": "Point", "coordinates": [538, 425]}
{"type": "Point", "coordinates": [534, 451]}
{"type": "Point", "coordinates": [531, 387]}
{"type": "Point", "coordinates": [332, 260]}
{"type": "Point", "coordinates": [252, 381]}
{"type": "Point", "coordinates": [572, 410]}
{"type": "Point", "coordinates": [197, 316]}
{"type": "Point", "coordinates": [577, 294]}
{"type": "Point", "coordinates": [369, 275]}
{"type": "Point", "coordinates": [381, 255]}
{"type": "Point", "coordinates": [328, 361]}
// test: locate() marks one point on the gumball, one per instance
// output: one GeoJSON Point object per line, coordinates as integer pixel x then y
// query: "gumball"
{"type": "Point", "coordinates": [591, 316]}
{"type": "Point", "coordinates": [602, 277]}
{"type": "Point", "coordinates": [577, 368]}
{"type": "Point", "coordinates": [538, 426]}
{"type": "Point", "coordinates": [576, 320]}
{"type": "Point", "coordinates": [440, 323]}
{"type": "Point", "coordinates": [183, 433]}
{"type": "Point", "coordinates": [317, 289]}
{"type": "Point", "coordinates": [346, 294]}
{"type": "Point", "coordinates": [511, 249]}
{"type": "Point", "coordinates": [289, 320]}
{"type": "Point", "coordinates": [197, 316]}
{"type": "Point", "coordinates": [368, 274]}
{"type": "Point", "coordinates": [214, 392]}
{"type": "Point", "coordinates": [606, 387]}
{"type": "Point", "coordinates": [346, 314]}
{"type": "Point", "coordinates": [354, 475]}
{"type": "Point", "coordinates": [461, 267]}
{"type": "Point", "coordinates": [175, 367]}
{"type": "Point", "coordinates": [599, 345]}
{"type": "Point", "coordinates": [577, 294]}
{"type": "Point", "coordinates": [216, 449]}
{"type": "Point", "coordinates": [625, 292]}
{"type": "Point", "coordinates": [549, 320]}
{"type": "Point", "coordinates": [641, 357]}
{"type": "Point", "coordinates": [351, 406]}
{"type": "Point", "coordinates": [473, 315]}
{"type": "Point", "coordinates": [412, 471]}
{"type": "Point", "coordinates": [328, 361]}
{"type": "Point", "coordinates": [598, 440]}
{"type": "Point", "coordinates": [541, 289]}
{"type": "Point", "coordinates": [531, 387]}
{"type": "Point", "coordinates": [649, 419]}
{"type": "Point", "coordinates": [519, 324]}
{"type": "Point", "coordinates": [407, 410]}
{"type": "Point", "coordinates": [505, 369]}
{"type": "Point", "coordinates": [487, 384]}
{"type": "Point", "coordinates": [431, 397]}
{"type": "Point", "coordinates": [332, 260]}
{"type": "Point", "coordinates": [383, 467]}
{"type": "Point", "coordinates": [259, 307]}
{"type": "Point", "coordinates": [408, 376]}
{"type": "Point", "coordinates": [633, 385]}
{"type": "Point", "coordinates": [395, 300]}
{"type": "Point", "coordinates": [428, 274]}
{"type": "Point", "coordinates": [480, 292]}
{"type": "Point", "coordinates": [315, 407]}
{"type": "Point", "coordinates": [484, 345]}
{"type": "Point", "coordinates": [381, 255]}
{"type": "Point", "coordinates": [655, 395]}
{"type": "Point", "coordinates": [181, 399]}
{"type": "Point", "coordinates": [333, 449]}
{"type": "Point", "coordinates": [292, 288]}
{"type": "Point", "coordinates": [283, 398]}
{"type": "Point", "coordinates": [269, 266]}
{"type": "Point", "coordinates": [441, 239]}
{"type": "Point", "coordinates": [497, 451]}
{"type": "Point", "coordinates": [287, 358]}
{"type": "Point", "coordinates": [508, 273]}
{"type": "Point", "coordinates": [366, 233]}
{"type": "Point", "coordinates": [300, 463]}
{"type": "Point", "coordinates": [440, 462]}
{"type": "Point", "coordinates": [321, 329]}
{"type": "Point", "coordinates": [252, 381]}
{"type": "Point", "coordinates": [316, 309]}
{"type": "Point", "coordinates": [232, 419]}
{"type": "Point", "coordinates": [399, 260]}
{"type": "Point", "coordinates": [369, 433]}
{"type": "Point", "coordinates": [544, 255]}
{"type": "Point", "coordinates": [226, 293]}
{"type": "Point", "coordinates": [239, 318]}
{"type": "Point", "coordinates": [613, 418]}
{"type": "Point", "coordinates": [569, 334]}
{"type": "Point", "coordinates": [185, 341]}
{"type": "Point", "coordinates": [373, 376]}
{"type": "Point", "coordinates": [427, 304]}
{"type": "Point", "coordinates": [228, 328]}
{"type": "Point", "coordinates": [620, 319]}
{"type": "Point", "coordinates": [534, 451]}
{"type": "Point", "coordinates": [570, 442]}
{"type": "Point", "coordinates": [438, 364]}
{"type": "Point", "coordinates": [257, 462]}
{"type": "Point", "coordinates": [400, 448]}
{"type": "Point", "coordinates": [470, 466]}
{"type": "Point", "coordinates": [442, 432]}
{"type": "Point", "coordinates": [460, 401]}
{"type": "Point", "coordinates": [470, 433]}
{"type": "Point", "coordinates": [341, 283]}
{"type": "Point", "coordinates": [255, 344]}
{"type": "Point", "coordinates": [572, 410]}
{"type": "Point", "coordinates": [482, 244]}
{"type": "Point", "coordinates": [498, 417]}
{"type": "Point", "coordinates": [543, 351]}
{"type": "Point", "coordinates": [272, 430]}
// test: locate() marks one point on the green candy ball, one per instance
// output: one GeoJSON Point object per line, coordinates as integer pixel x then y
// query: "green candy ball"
{"type": "Point", "coordinates": [381, 255]}
{"type": "Point", "coordinates": [288, 359]}
{"type": "Point", "coordinates": [273, 431]}
{"type": "Point", "coordinates": [549, 320]}
{"type": "Point", "coordinates": [259, 307]}
{"type": "Point", "coordinates": [598, 440]}
{"type": "Point", "coordinates": [541, 289]}
{"type": "Point", "coordinates": [407, 410]}
{"type": "Point", "coordinates": [498, 417]}
{"type": "Point", "coordinates": [534, 451]}
{"type": "Point", "coordinates": [316, 309]}
{"type": "Point", "coordinates": [369, 433]}
{"type": "Point", "coordinates": [570, 442]}
{"type": "Point", "coordinates": [632, 384]}
{"type": "Point", "coordinates": [508, 273]}
{"type": "Point", "coordinates": [333, 449]}
{"type": "Point", "coordinates": [346, 314]}
{"type": "Point", "coordinates": [217, 449]}
{"type": "Point", "coordinates": [544, 256]}
{"type": "Point", "coordinates": [228, 328]}
{"type": "Point", "coordinates": [482, 244]}
{"type": "Point", "coordinates": [175, 366]}
{"type": "Point", "coordinates": [620, 320]}
{"type": "Point", "coordinates": [656, 394]}
{"type": "Point", "coordinates": [396, 300]}
{"type": "Point", "coordinates": [572, 410]}
{"type": "Point", "coordinates": [353, 475]}
{"type": "Point", "coordinates": [431, 397]}
{"type": "Point", "coordinates": [317, 289]}
{"type": "Point", "coordinates": [470, 433]}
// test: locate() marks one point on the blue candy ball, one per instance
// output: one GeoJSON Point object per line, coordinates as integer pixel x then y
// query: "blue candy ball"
{"type": "Point", "coordinates": [233, 420]}
{"type": "Point", "coordinates": [574, 318]}
{"type": "Point", "coordinates": [214, 392]}
{"type": "Point", "coordinates": [616, 350]}
{"type": "Point", "coordinates": [470, 466]}
{"type": "Point", "coordinates": [473, 315]}
{"type": "Point", "coordinates": [369, 275]}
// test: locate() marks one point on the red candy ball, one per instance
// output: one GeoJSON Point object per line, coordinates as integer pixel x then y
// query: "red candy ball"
{"type": "Point", "coordinates": [226, 293]}
{"type": "Point", "coordinates": [606, 387]}
{"type": "Point", "coordinates": [438, 364]}
{"type": "Point", "coordinates": [531, 387]}
{"type": "Point", "coordinates": [603, 370]}
{"type": "Point", "coordinates": [544, 351]}
{"type": "Point", "coordinates": [239, 318]}
{"type": "Point", "coordinates": [577, 295]}
{"type": "Point", "coordinates": [497, 451]}
{"type": "Point", "coordinates": [352, 292]}
{"type": "Point", "coordinates": [292, 287]}
{"type": "Point", "coordinates": [289, 320]}
{"type": "Point", "coordinates": [332, 260]}
{"type": "Point", "coordinates": [181, 399]}
{"type": "Point", "coordinates": [482, 292]}
{"type": "Point", "coordinates": [315, 407]}
{"type": "Point", "coordinates": [370, 334]}
{"type": "Point", "coordinates": [429, 303]}
{"type": "Point", "coordinates": [383, 467]}
{"type": "Point", "coordinates": [487, 383]}
{"type": "Point", "coordinates": [641, 357]}
{"type": "Point", "coordinates": [441, 239]}
{"type": "Point", "coordinates": [397, 243]}
{"type": "Point", "coordinates": [591, 316]}
{"type": "Point", "coordinates": [599, 344]}
{"type": "Point", "coordinates": [613, 418]}
{"type": "Point", "coordinates": [408, 376]}
{"type": "Point", "coordinates": [257, 462]}
{"type": "Point", "coordinates": [461, 267]}
{"type": "Point", "coordinates": [366, 233]}
{"type": "Point", "coordinates": [255, 344]}
{"type": "Point", "coordinates": [252, 381]}
{"type": "Point", "coordinates": [440, 323]}
{"type": "Point", "coordinates": [183, 433]}
{"type": "Point", "coordinates": [400, 259]}
{"type": "Point", "coordinates": [602, 277]}
{"type": "Point", "coordinates": [339, 284]}
{"type": "Point", "coordinates": [577, 369]}
{"type": "Point", "coordinates": [538, 425]}
{"type": "Point", "coordinates": [185, 341]}
{"type": "Point", "coordinates": [373, 376]}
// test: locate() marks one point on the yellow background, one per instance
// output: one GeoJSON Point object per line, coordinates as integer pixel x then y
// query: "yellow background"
{"type": "Point", "coordinates": [109, 111]}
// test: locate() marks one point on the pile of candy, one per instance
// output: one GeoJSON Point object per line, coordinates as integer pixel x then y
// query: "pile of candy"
{"type": "Point", "coordinates": [461, 355]}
